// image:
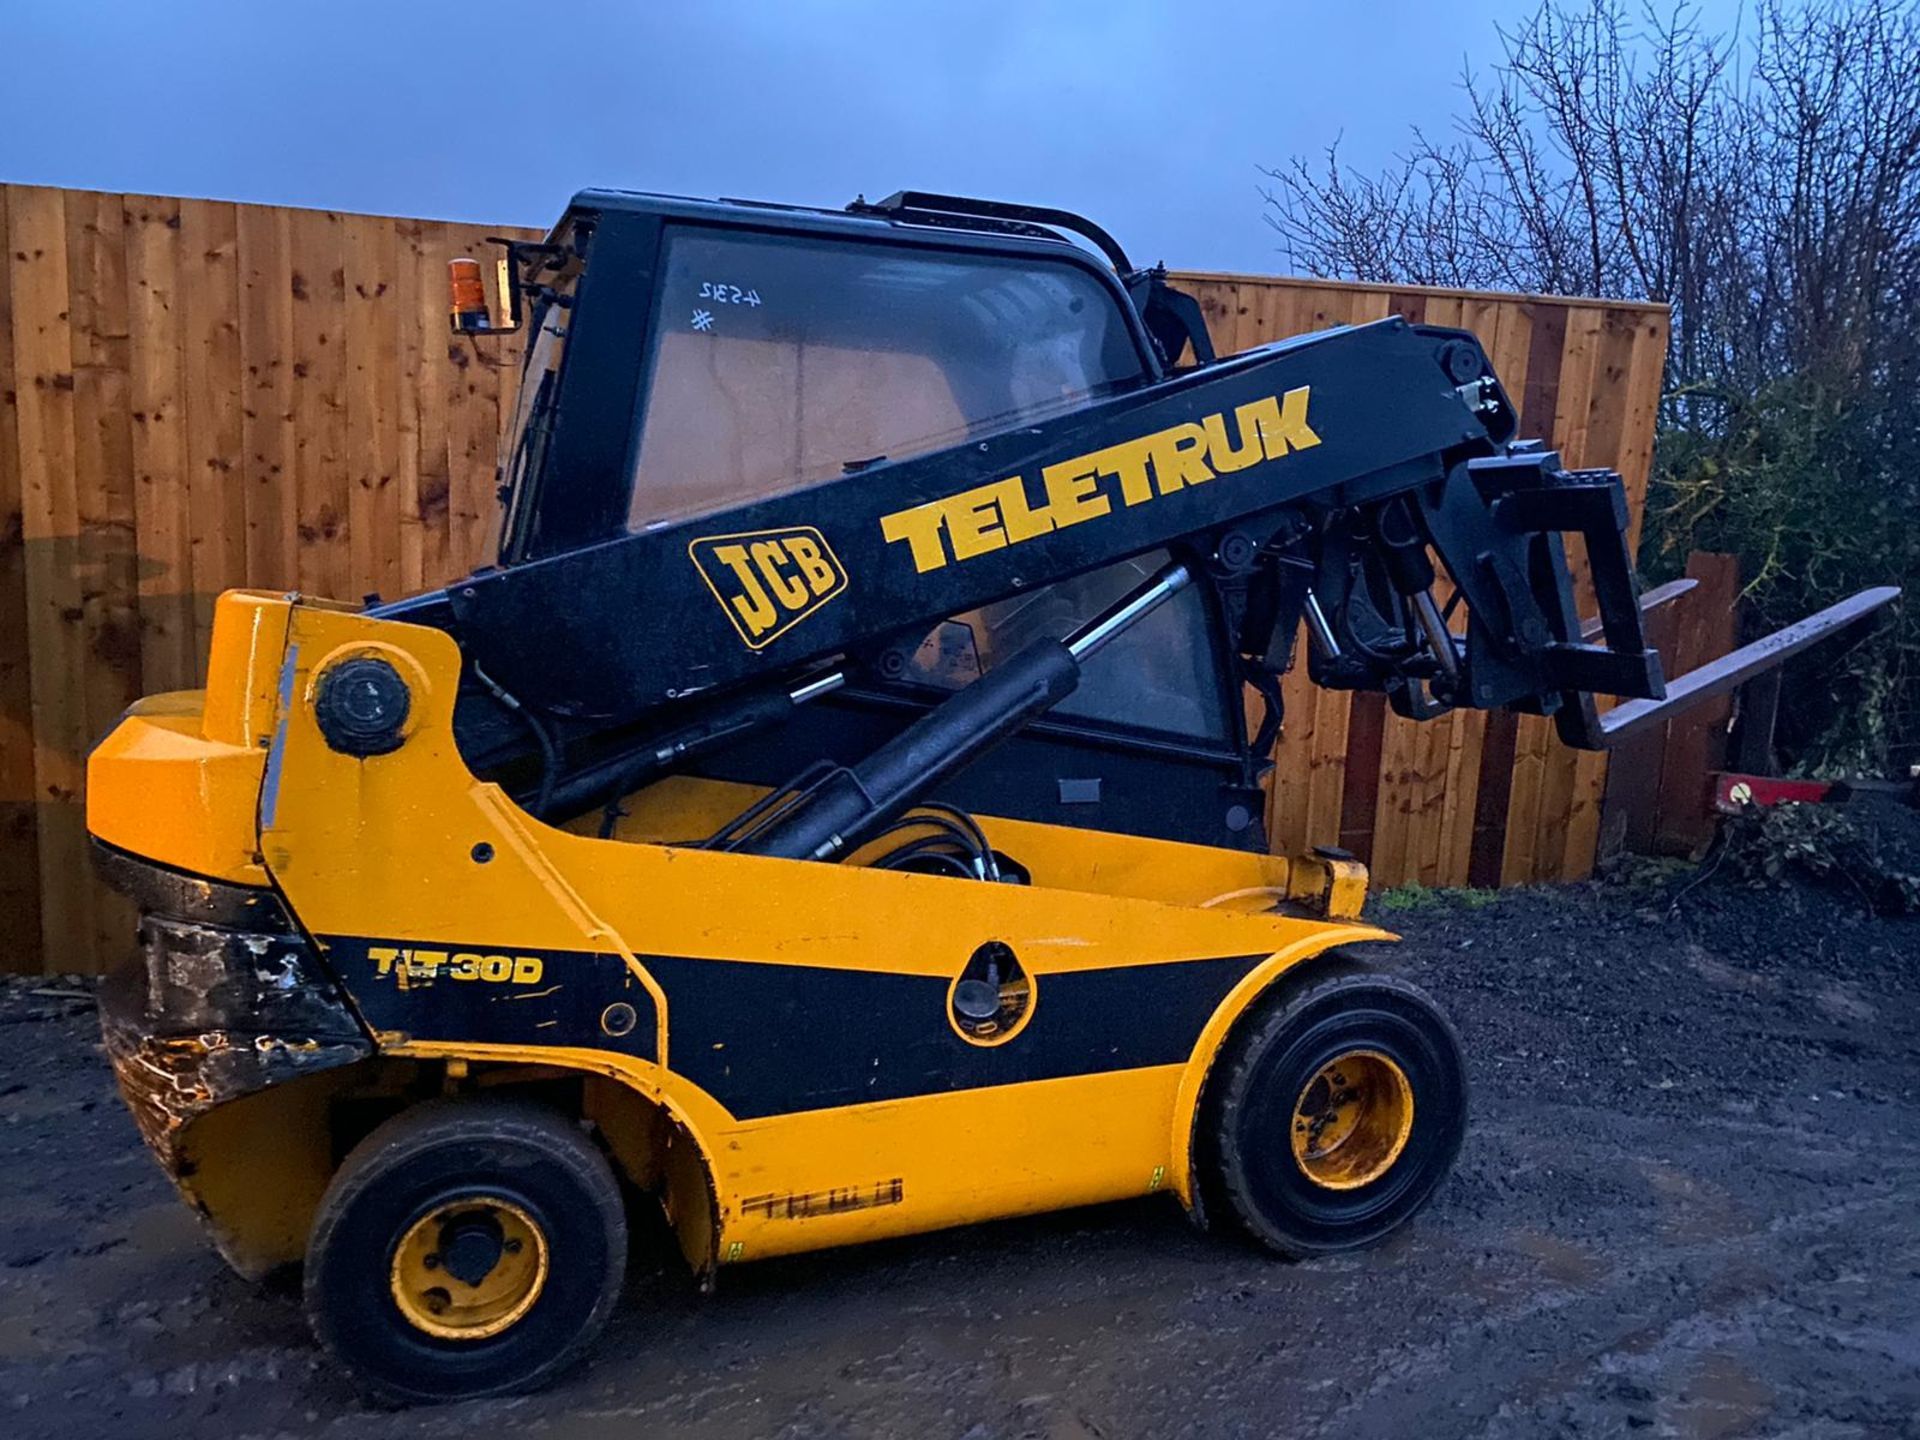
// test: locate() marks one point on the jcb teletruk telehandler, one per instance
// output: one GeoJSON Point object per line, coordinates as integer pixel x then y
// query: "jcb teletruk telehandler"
{"type": "Point", "coordinates": [832, 811]}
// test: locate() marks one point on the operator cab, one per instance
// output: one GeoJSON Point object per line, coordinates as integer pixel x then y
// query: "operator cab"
{"type": "Point", "coordinates": [687, 358]}
{"type": "Point", "coordinates": [756, 350]}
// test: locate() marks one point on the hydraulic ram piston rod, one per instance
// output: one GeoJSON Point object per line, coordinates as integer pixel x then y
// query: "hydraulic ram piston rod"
{"type": "Point", "coordinates": [1094, 636]}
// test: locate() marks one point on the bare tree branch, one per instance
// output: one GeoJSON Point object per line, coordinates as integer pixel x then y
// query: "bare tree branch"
{"type": "Point", "coordinates": [1769, 191]}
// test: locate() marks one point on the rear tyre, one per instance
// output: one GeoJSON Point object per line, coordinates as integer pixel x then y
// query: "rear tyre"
{"type": "Point", "coordinates": [1337, 1112]}
{"type": "Point", "coordinates": [465, 1249]}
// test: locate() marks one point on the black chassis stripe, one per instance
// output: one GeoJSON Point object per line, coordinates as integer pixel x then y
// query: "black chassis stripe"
{"type": "Point", "coordinates": [567, 1005]}
{"type": "Point", "coordinates": [776, 1039]}
{"type": "Point", "coordinates": [768, 1039]}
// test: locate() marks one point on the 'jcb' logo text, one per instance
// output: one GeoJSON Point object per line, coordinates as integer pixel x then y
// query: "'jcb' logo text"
{"type": "Point", "coordinates": [1135, 472]}
{"type": "Point", "coordinates": [768, 581]}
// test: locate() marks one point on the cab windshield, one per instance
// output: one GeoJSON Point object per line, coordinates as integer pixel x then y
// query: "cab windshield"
{"type": "Point", "coordinates": [782, 362]}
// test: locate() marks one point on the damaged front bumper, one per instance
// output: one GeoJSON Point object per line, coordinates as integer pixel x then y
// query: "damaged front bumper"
{"type": "Point", "coordinates": [225, 999]}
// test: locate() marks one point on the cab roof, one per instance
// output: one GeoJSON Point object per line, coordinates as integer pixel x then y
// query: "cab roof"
{"type": "Point", "coordinates": [906, 215]}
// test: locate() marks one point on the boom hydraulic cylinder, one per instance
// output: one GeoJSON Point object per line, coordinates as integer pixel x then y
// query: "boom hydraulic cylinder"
{"type": "Point", "coordinates": [850, 805]}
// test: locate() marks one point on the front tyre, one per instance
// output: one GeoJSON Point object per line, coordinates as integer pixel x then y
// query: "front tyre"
{"type": "Point", "coordinates": [465, 1249]}
{"type": "Point", "coordinates": [1337, 1112]}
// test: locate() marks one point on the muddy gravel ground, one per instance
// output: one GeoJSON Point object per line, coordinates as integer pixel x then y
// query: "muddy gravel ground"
{"type": "Point", "coordinates": [1687, 1206]}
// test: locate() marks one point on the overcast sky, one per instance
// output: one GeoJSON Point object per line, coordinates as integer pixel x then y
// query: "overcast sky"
{"type": "Point", "coordinates": [1150, 117]}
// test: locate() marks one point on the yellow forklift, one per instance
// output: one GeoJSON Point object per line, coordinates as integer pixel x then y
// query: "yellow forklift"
{"type": "Point", "coordinates": [833, 812]}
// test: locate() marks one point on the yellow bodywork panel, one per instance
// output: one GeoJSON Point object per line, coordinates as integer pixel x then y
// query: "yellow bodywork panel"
{"type": "Point", "coordinates": [790, 1019]}
{"type": "Point", "coordinates": [157, 786]}
{"type": "Point", "coordinates": [259, 1202]}
{"type": "Point", "coordinates": [1059, 858]}
{"type": "Point", "coordinates": [178, 780]}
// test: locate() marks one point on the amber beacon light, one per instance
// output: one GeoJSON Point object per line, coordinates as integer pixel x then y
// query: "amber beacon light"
{"type": "Point", "coordinates": [467, 294]}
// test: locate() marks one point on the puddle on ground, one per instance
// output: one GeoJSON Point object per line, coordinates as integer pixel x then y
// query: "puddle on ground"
{"type": "Point", "coordinates": [1690, 1208]}
{"type": "Point", "coordinates": [166, 1229]}
{"type": "Point", "coordinates": [1840, 1002]}
{"type": "Point", "coordinates": [1562, 1261]}
{"type": "Point", "coordinates": [1721, 1398]}
{"type": "Point", "coordinates": [1717, 972]}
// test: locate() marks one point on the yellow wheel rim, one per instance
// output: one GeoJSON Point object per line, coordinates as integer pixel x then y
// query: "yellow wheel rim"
{"type": "Point", "coordinates": [1352, 1120]}
{"type": "Point", "coordinates": [469, 1269]}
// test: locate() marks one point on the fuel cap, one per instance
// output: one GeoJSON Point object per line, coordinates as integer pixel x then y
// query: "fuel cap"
{"type": "Point", "coordinates": [362, 706]}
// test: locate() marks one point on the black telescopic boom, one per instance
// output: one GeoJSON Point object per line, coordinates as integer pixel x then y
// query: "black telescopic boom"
{"type": "Point", "coordinates": [850, 806]}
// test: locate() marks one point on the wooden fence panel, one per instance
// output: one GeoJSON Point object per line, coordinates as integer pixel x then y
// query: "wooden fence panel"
{"type": "Point", "coordinates": [195, 394]}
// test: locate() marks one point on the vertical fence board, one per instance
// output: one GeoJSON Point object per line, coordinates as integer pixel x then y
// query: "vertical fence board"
{"type": "Point", "coordinates": [42, 344]}
{"type": "Point", "coordinates": [1697, 740]}
{"type": "Point", "coordinates": [1461, 792]}
{"type": "Point", "coordinates": [1493, 798]}
{"type": "Point", "coordinates": [320, 412]}
{"type": "Point", "coordinates": [19, 794]}
{"type": "Point", "coordinates": [435, 486]}
{"type": "Point", "coordinates": [1364, 728]}
{"type": "Point", "coordinates": [409, 380]}
{"type": "Point", "coordinates": [1632, 791]}
{"type": "Point", "coordinates": [1291, 789]}
{"type": "Point", "coordinates": [210, 347]}
{"type": "Point", "coordinates": [104, 550]}
{"type": "Point", "coordinates": [1532, 738]}
{"type": "Point", "coordinates": [1327, 766]}
{"type": "Point", "coordinates": [1646, 374]}
{"type": "Point", "coordinates": [1560, 790]}
{"type": "Point", "coordinates": [268, 428]}
{"type": "Point", "coordinates": [371, 360]}
{"type": "Point", "coordinates": [164, 528]}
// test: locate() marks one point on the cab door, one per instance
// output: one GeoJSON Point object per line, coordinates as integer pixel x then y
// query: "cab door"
{"type": "Point", "coordinates": [1152, 741]}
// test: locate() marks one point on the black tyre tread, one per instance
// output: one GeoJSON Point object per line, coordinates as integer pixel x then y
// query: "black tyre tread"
{"type": "Point", "coordinates": [433, 1123]}
{"type": "Point", "coordinates": [1328, 978]}
{"type": "Point", "coordinates": [1217, 1212]}
{"type": "Point", "coordinates": [427, 1123]}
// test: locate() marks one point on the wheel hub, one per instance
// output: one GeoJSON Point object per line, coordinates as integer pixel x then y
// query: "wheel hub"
{"type": "Point", "coordinates": [469, 1269]}
{"type": "Point", "coordinates": [470, 1246]}
{"type": "Point", "coordinates": [1352, 1120]}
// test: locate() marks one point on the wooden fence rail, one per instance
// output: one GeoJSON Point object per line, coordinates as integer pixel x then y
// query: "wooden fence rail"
{"type": "Point", "coordinates": [196, 395]}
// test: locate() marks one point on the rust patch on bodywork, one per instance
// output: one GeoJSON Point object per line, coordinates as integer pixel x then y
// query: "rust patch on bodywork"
{"type": "Point", "coordinates": [170, 1080]}
{"type": "Point", "coordinates": [210, 1029]}
{"type": "Point", "coordinates": [226, 1113]}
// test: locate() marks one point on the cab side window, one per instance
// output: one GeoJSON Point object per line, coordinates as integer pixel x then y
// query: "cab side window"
{"type": "Point", "coordinates": [783, 361]}
{"type": "Point", "coordinates": [1161, 677]}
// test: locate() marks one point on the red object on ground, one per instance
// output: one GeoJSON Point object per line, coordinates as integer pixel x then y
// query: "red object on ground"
{"type": "Point", "coordinates": [1733, 793]}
